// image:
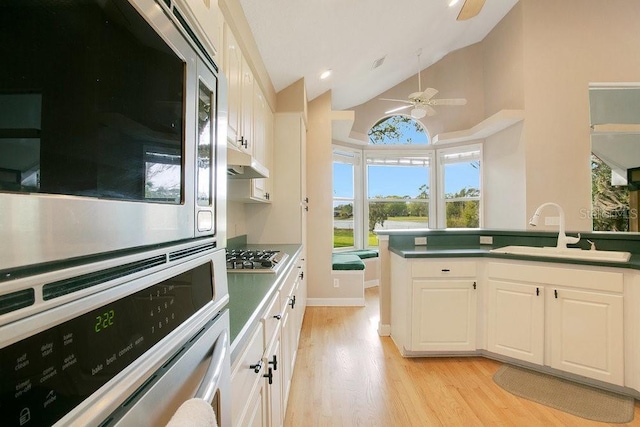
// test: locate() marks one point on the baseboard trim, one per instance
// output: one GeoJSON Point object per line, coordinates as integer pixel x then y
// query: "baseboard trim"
{"type": "Point", "coordinates": [384, 330]}
{"type": "Point", "coordinates": [335, 302]}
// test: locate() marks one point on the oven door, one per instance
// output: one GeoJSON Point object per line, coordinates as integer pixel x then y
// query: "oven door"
{"type": "Point", "coordinates": [201, 370]}
{"type": "Point", "coordinates": [93, 360]}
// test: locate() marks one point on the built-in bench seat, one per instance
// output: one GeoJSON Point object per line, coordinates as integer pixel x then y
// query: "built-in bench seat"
{"type": "Point", "coordinates": [350, 275]}
{"type": "Point", "coordinates": [346, 261]}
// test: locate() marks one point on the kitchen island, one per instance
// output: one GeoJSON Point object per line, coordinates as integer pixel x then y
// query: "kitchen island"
{"type": "Point", "coordinates": [572, 318]}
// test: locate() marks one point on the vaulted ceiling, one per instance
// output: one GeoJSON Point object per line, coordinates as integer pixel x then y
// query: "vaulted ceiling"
{"type": "Point", "coordinates": [304, 38]}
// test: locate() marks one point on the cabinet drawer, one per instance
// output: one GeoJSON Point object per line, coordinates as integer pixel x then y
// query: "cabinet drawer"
{"type": "Point", "coordinates": [244, 378]}
{"type": "Point", "coordinates": [271, 319]}
{"type": "Point", "coordinates": [443, 269]}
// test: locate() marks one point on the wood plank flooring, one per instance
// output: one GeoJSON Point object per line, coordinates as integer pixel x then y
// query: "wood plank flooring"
{"type": "Point", "coordinates": [347, 375]}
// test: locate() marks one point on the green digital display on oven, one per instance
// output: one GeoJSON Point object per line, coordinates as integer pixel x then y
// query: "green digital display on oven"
{"type": "Point", "coordinates": [104, 320]}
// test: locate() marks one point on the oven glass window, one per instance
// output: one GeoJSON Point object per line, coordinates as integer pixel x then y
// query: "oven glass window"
{"type": "Point", "coordinates": [206, 114]}
{"type": "Point", "coordinates": [92, 103]}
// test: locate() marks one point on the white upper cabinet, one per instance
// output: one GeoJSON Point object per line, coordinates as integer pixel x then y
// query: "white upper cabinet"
{"type": "Point", "coordinates": [233, 71]}
{"type": "Point", "coordinates": [208, 21]}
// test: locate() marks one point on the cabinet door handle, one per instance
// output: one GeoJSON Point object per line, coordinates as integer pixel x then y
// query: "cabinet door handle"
{"type": "Point", "coordinates": [474, 285]}
{"type": "Point", "coordinates": [445, 270]}
{"type": "Point", "coordinates": [274, 362]}
{"type": "Point", "coordinates": [269, 375]}
{"type": "Point", "coordinates": [278, 316]}
{"type": "Point", "coordinates": [555, 291]}
{"type": "Point", "coordinates": [537, 291]}
{"type": "Point", "coordinates": [292, 301]}
{"type": "Point", "coordinates": [256, 368]}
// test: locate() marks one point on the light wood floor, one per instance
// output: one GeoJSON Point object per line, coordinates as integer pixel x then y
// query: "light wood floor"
{"type": "Point", "coordinates": [347, 375]}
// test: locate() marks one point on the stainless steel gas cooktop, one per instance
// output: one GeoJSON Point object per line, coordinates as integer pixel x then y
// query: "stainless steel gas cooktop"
{"type": "Point", "coordinates": [254, 261]}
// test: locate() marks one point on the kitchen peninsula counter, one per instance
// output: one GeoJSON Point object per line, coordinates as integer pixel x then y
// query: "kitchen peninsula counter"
{"type": "Point", "coordinates": [460, 243]}
{"type": "Point", "coordinates": [250, 293]}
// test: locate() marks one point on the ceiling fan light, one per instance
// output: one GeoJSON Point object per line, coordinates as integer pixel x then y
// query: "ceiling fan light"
{"type": "Point", "coordinates": [418, 113]}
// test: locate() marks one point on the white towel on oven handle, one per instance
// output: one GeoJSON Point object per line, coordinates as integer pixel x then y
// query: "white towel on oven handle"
{"type": "Point", "coordinates": [194, 413]}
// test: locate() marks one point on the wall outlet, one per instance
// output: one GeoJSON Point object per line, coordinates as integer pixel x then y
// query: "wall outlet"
{"type": "Point", "coordinates": [420, 241]}
{"type": "Point", "coordinates": [336, 283]}
{"type": "Point", "coordinates": [551, 220]}
{"type": "Point", "coordinates": [486, 240]}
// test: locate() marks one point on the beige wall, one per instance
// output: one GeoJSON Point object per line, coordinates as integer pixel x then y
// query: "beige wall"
{"type": "Point", "coordinates": [457, 75]}
{"type": "Point", "coordinates": [320, 216]}
{"type": "Point", "coordinates": [540, 58]}
{"type": "Point", "coordinates": [568, 44]}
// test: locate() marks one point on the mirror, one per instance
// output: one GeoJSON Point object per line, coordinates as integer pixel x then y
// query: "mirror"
{"type": "Point", "coordinates": [615, 146]}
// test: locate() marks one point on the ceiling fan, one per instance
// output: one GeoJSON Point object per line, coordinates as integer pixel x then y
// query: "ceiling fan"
{"type": "Point", "coordinates": [423, 101]}
{"type": "Point", "coordinates": [469, 9]}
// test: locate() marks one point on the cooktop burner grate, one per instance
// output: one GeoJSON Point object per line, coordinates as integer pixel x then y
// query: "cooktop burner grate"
{"type": "Point", "coordinates": [254, 261]}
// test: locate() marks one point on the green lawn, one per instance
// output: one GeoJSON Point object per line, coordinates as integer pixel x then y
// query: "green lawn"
{"type": "Point", "coordinates": [343, 238]}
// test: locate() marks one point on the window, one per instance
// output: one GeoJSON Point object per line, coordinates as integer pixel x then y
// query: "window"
{"type": "Point", "coordinates": [345, 232]}
{"type": "Point", "coordinates": [460, 187]}
{"type": "Point", "coordinates": [405, 182]}
{"type": "Point", "coordinates": [611, 210]}
{"type": "Point", "coordinates": [398, 188]}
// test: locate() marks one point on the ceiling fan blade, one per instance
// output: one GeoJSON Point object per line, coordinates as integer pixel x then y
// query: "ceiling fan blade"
{"type": "Point", "coordinates": [454, 101]}
{"type": "Point", "coordinates": [395, 100]}
{"type": "Point", "coordinates": [398, 109]}
{"type": "Point", "coordinates": [470, 8]}
{"type": "Point", "coordinates": [430, 110]}
{"type": "Point", "coordinates": [428, 93]}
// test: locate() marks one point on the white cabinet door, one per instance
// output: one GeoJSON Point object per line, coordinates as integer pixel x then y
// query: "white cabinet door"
{"type": "Point", "coordinates": [233, 71]}
{"type": "Point", "coordinates": [247, 108]}
{"type": "Point", "coordinates": [516, 320]}
{"type": "Point", "coordinates": [586, 333]}
{"type": "Point", "coordinates": [443, 315]}
{"type": "Point", "coordinates": [273, 363]}
{"type": "Point", "coordinates": [248, 398]}
{"type": "Point", "coordinates": [259, 190]}
{"type": "Point", "coordinates": [256, 415]}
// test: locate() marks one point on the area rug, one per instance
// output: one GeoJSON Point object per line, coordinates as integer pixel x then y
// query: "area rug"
{"type": "Point", "coordinates": [580, 400]}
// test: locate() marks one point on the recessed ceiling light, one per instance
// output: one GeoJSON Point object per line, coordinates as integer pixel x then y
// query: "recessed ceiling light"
{"type": "Point", "coordinates": [453, 3]}
{"type": "Point", "coordinates": [325, 74]}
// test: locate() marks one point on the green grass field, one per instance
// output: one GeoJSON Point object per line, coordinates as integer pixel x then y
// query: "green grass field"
{"type": "Point", "coordinates": [343, 238]}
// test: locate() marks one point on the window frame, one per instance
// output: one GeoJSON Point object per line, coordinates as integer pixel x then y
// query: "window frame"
{"type": "Point", "coordinates": [395, 154]}
{"type": "Point", "coordinates": [437, 202]}
{"type": "Point", "coordinates": [341, 154]}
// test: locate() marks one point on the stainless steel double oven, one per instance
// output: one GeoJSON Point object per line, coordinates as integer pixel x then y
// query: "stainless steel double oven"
{"type": "Point", "coordinates": [112, 214]}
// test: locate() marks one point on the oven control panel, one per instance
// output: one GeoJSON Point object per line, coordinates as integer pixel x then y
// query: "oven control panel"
{"type": "Point", "coordinates": [45, 376]}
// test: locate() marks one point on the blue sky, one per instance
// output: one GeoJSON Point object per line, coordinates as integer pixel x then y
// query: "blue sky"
{"type": "Point", "coordinates": [405, 181]}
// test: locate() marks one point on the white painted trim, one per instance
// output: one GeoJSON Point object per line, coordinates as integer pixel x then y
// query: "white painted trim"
{"type": "Point", "coordinates": [384, 330]}
{"type": "Point", "coordinates": [335, 302]}
{"type": "Point", "coordinates": [348, 272]}
{"type": "Point", "coordinates": [371, 283]}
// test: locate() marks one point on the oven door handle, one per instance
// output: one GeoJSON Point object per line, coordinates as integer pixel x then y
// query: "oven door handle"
{"type": "Point", "coordinates": [208, 386]}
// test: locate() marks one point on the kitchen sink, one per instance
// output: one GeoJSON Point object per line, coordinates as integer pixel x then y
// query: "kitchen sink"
{"type": "Point", "coordinates": [569, 253]}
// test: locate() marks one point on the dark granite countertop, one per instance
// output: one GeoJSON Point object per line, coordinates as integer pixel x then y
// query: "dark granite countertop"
{"type": "Point", "coordinates": [456, 243]}
{"type": "Point", "coordinates": [485, 251]}
{"type": "Point", "coordinates": [249, 294]}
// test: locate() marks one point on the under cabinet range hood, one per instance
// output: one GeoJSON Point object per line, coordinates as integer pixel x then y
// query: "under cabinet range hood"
{"type": "Point", "coordinates": [241, 165]}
